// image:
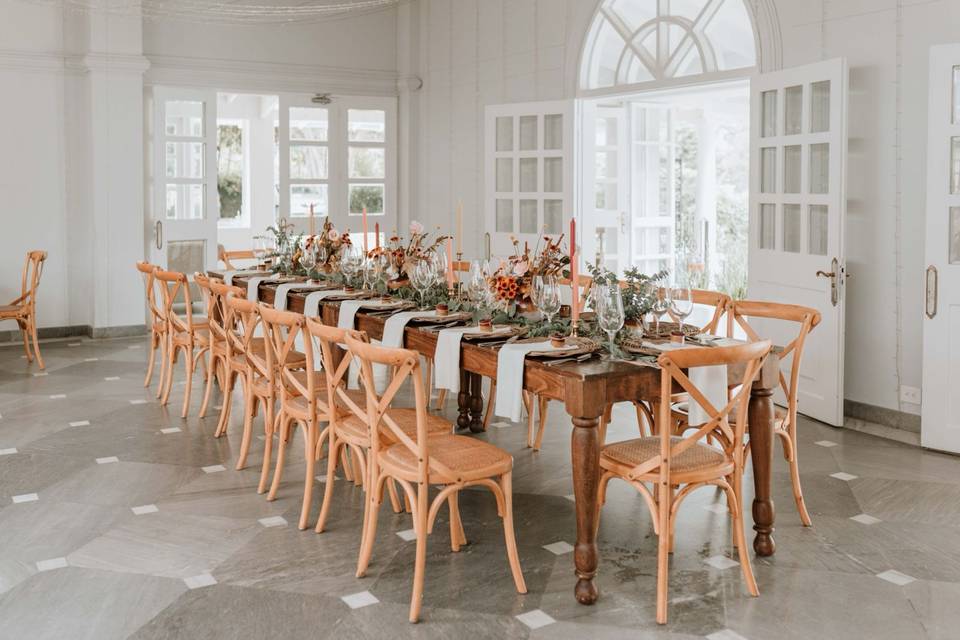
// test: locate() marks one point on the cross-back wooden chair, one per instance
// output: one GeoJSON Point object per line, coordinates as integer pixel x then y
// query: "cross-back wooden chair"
{"type": "Point", "coordinates": [234, 362]}
{"type": "Point", "coordinates": [227, 256]}
{"type": "Point", "coordinates": [785, 422]}
{"type": "Point", "coordinates": [158, 324]}
{"type": "Point", "coordinates": [23, 308]}
{"type": "Point", "coordinates": [187, 334]}
{"type": "Point", "coordinates": [417, 461]}
{"type": "Point", "coordinates": [217, 352]}
{"type": "Point", "coordinates": [677, 466]}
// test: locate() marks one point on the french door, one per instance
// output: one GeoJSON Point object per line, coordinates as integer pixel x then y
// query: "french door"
{"type": "Point", "coordinates": [798, 215]}
{"type": "Point", "coordinates": [184, 203]}
{"type": "Point", "coordinates": [941, 329]}
{"type": "Point", "coordinates": [529, 172]}
{"type": "Point", "coordinates": [606, 219]}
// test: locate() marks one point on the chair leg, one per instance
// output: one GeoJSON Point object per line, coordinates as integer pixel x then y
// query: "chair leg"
{"type": "Point", "coordinates": [441, 398]}
{"type": "Point", "coordinates": [736, 508]}
{"type": "Point", "coordinates": [531, 417]}
{"type": "Point", "coordinates": [489, 412]}
{"type": "Point", "coordinates": [164, 363]}
{"type": "Point", "coordinates": [249, 408]}
{"type": "Point", "coordinates": [36, 341]}
{"type": "Point", "coordinates": [209, 384]}
{"type": "Point", "coordinates": [268, 429]}
{"type": "Point", "coordinates": [310, 431]}
{"type": "Point", "coordinates": [369, 532]}
{"type": "Point", "coordinates": [457, 537]}
{"type": "Point", "coordinates": [230, 379]}
{"type": "Point", "coordinates": [420, 566]}
{"type": "Point", "coordinates": [26, 340]}
{"type": "Point", "coordinates": [189, 364]}
{"type": "Point", "coordinates": [332, 457]}
{"type": "Point", "coordinates": [663, 552]}
{"type": "Point", "coordinates": [509, 536]}
{"type": "Point", "coordinates": [394, 498]}
{"type": "Point", "coordinates": [544, 403]}
{"type": "Point", "coordinates": [284, 423]}
{"type": "Point", "coordinates": [168, 383]}
{"type": "Point", "coordinates": [795, 480]}
{"type": "Point", "coordinates": [154, 342]}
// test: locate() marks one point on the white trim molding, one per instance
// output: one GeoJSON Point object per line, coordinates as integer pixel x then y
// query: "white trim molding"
{"type": "Point", "coordinates": [61, 62]}
{"type": "Point", "coordinates": [246, 75]}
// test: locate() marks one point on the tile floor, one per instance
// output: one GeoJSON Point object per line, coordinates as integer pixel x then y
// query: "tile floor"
{"type": "Point", "coordinates": [118, 519]}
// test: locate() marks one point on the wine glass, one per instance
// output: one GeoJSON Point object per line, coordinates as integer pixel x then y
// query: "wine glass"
{"type": "Point", "coordinates": [259, 249]}
{"type": "Point", "coordinates": [681, 303]}
{"type": "Point", "coordinates": [422, 278]}
{"type": "Point", "coordinates": [351, 263]}
{"type": "Point", "coordinates": [308, 260]}
{"type": "Point", "coordinates": [609, 309]}
{"type": "Point", "coordinates": [547, 295]}
{"type": "Point", "coordinates": [661, 303]}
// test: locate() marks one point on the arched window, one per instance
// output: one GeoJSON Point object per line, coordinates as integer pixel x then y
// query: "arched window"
{"type": "Point", "coordinates": [636, 41]}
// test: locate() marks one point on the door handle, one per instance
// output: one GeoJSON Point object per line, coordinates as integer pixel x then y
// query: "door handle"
{"type": "Point", "coordinates": [158, 234]}
{"type": "Point", "coordinates": [832, 274]}
{"type": "Point", "coordinates": [933, 284]}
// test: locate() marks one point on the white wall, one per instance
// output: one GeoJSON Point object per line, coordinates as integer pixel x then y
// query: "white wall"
{"type": "Point", "coordinates": [473, 53]}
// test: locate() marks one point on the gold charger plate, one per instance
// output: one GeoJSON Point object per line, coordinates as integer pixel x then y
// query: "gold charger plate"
{"type": "Point", "coordinates": [499, 332]}
{"type": "Point", "coordinates": [577, 346]}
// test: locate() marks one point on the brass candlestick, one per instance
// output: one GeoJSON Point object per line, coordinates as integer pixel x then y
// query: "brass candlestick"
{"type": "Point", "coordinates": [574, 326]}
{"type": "Point", "coordinates": [459, 285]}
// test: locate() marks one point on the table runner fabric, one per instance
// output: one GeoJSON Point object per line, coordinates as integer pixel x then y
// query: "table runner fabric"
{"type": "Point", "coordinates": [712, 382]}
{"type": "Point", "coordinates": [280, 298]}
{"type": "Point", "coordinates": [253, 286]}
{"type": "Point", "coordinates": [311, 306]}
{"type": "Point", "coordinates": [446, 358]}
{"type": "Point", "coordinates": [510, 364]}
{"type": "Point", "coordinates": [228, 276]}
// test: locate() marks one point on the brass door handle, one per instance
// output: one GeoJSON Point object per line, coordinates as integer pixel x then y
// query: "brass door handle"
{"type": "Point", "coordinates": [932, 293]}
{"type": "Point", "coordinates": [823, 274]}
{"type": "Point", "coordinates": [832, 275]}
{"type": "Point", "coordinates": [158, 235]}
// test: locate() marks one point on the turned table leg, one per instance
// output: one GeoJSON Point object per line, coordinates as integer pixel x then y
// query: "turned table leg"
{"type": "Point", "coordinates": [585, 454]}
{"type": "Point", "coordinates": [476, 403]}
{"type": "Point", "coordinates": [463, 401]}
{"type": "Point", "coordinates": [760, 421]}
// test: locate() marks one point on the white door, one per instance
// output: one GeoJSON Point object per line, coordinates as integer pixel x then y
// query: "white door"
{"type": "Point", "coordinates": [940, 427]}
{"type": "Point", "coordinates": [529, 172]}
{"type": "Point", "coordinates": [341, 158]}
{"type": "Point", "coordinates": [185, 205]}
{"type": "Point", "coordinates": [798, 146]}
{"type": "Point", "coordinates": [606, 198]}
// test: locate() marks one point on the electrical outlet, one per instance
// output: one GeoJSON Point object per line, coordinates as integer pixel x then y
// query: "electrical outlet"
{"type": "Point", "coordinates": [909, 394]}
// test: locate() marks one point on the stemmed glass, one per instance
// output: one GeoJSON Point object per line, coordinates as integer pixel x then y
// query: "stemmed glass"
{"type": "Point", "coordinates": [351, 263]}
{"type": "Point", "coordinates": [308, 260]}
{"type": "Point", "coordinates": [422, 278]}
{"type": "Point", "coordinates": [609, 309]}
{"type": "Point", "coordinates": [260, 250]}
{"type": "Point", "coordinates": [546, 291]}
{"type": "Point", "coordinates": [681, 303]}
{"type": "Point", "coordinates": [661, 303]}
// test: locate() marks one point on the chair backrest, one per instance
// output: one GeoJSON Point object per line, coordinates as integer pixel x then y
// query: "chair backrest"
{"type": "Point", "coordinates": [806, 317]}
{"type": "Point", "coordinates": [672, 366]}
{"type": "Point", "coordinates": [147, 273]}
{"type": "Point", "coordinates": [404, 364]}
{"type": "Point", "coordinates": [330, 338]}
{"type": "Point", "coordinates": [173, 285]}
{"type": "Point", "coordinates": [584, 282]}
{"type": "Point", "coordinates": [241, 330]}
{"type": "Point", "coordinates": [281, 330]}
{"type": "Point", "coordinates": [30, 279]}
{"type": "Point", "coordinates": [719, 301]}
{"type": "Point", "coordinates": [226, 256]}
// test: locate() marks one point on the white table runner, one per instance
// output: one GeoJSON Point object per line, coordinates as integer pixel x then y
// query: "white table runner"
{"type": "Point", "coordinates": [228, 276]}
{"type": "Point", "coordinates": [446, 358]}
{"type": "Point", "coordinates": [280, 299]}
{"type": "Point", "coordinates": [510, 364]}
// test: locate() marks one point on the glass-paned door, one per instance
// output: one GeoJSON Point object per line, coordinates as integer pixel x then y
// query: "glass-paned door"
{"type": "Point", "coordinates": [606, 220]}
{"type": "Point", "coordinates": [185, 202]}
{"type": "Point", "coordinates": [797, 216]}
{"type": "Point", "coordinates": [940, 427]}
{"type": "Point", "coordinates": [529, 177]}
{"type": "Point", "coordinates": [653, 192]}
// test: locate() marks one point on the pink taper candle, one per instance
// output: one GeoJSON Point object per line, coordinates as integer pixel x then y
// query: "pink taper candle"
{"type": "Point", "coordinates": [364, 229]}
{"type": "Point", "coordinates": [575, 299]}
{"type": "Point", "coordinates": [450, 263]}
{"type": "Point", "coordinates": [376, 232]}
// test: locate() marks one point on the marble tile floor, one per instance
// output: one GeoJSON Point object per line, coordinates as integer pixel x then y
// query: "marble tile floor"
{"type": "Point", "coordinates": [162, 543]}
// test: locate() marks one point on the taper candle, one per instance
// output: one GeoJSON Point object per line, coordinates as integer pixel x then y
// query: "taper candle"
{"type": "Point", "coordinates": [365, 230]}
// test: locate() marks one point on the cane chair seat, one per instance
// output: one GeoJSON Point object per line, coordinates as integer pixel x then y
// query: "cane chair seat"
{"type": "Point", "coordinates": [12, 310]}
{"type": "Point", "coordinates": [698, 460]}
{"type": "Point", "coordinates": [467, 459]}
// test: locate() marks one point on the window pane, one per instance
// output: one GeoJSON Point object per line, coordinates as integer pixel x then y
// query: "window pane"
{"type": "Point", "coordinates": [528, 133]}
{"type": "Point", "coordinates": [184, 159]}
{"type": "Point", "coordinates": [955, 110]}
{"type": "Point", "coordinates": [309, 123]}
{"type": "Point", "coordinates": [308, 162]}
{"type": "Point", "coordinates": [366, 125]}
{"type": "Point", "coordinates": [954, 235]}
{"type": "Point", "coordinates": [366, 195]}
{"type": "Point", "coordinates": [768, 170]}
{"type": "Point", "coordinates": [768, 123]}
{"type": "Point", "coordinates": [505, 216]}
{"type": "Point", "coordinates": [528, 216]}
{"type": "Point", "coordinates": [185, 202]}
{"type": "Point", "coordinates": [820, 106]}
{"type": "Point", "coordinates": [186, 256]}
{"type": "Point", "coordinates": [606, 164]}
{"type": "Point", "coordinates": [367, 162]}
{"type": "Point", "coordinates": [504, 175]}
{"type": "Point", "coordinates": [606, 132]}
{"type": "Point", "coordinates": [230, 170]}
{"type": "Point", "coordinates": [791, 169]}
{"type": "Point", "coordinates": [791, 228]}
{"type": "Point", "coordinates": [819, 234]}
{"type": "Point", "coordinates": [955, 165]}
{"type": "Point", "coordinates": [528, 175]}
{"type": "Point", "coordinates": [793, 110]}
{"type": "Point", "coordinates": [768, 226]}
{"type": "Point", "coordinates": [820, 168]}
{"type": "Point", "coordinates": [505, 133]}
{"type": "Point", "coordinates": [303, 195]}
{"type": "Point", "coordinates": [606, 195]}
{"type": "Point", "coordinates": [553, 175]}
{"type": "Point", "coordinates": [553, 131]}
{"type": "Point", "coordinates": [183, 118]}
{"type": "Point", "coordinates": [553, 216]}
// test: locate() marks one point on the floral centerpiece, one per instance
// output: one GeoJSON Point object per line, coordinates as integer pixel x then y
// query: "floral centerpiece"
{"type": "Point", "coordinates": [638, 290]}
{"type": "Point", "coordinates": [512, 282]}
{"type": "Point", "coordinates": [329, 245]}
{"type": "Point", "coordinates": [287, 248]}
{"type": "Point", "coordinates": [402, 258]}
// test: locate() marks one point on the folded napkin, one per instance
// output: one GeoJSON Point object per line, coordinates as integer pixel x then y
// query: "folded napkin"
{"type": "Point", "coordinates": [311, 306]}
{"type": "Point", "coordinates": [348, 313]}
{"type": "Point", "coordinates": [510, 362]}
{"type": "Point", "coordinates": [280, 299]}
{"type": "Point", "coordinates": [711, 381]}
{"type": "Point", "coordinates": [253, 285]}
{"type": "Point", "coordinates": [446, 358]}
{"type": "Point", "coordinates": [228, 276]}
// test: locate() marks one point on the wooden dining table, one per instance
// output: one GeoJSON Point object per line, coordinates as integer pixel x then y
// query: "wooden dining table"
{"type": "Point", "coordinates": [586, 389]}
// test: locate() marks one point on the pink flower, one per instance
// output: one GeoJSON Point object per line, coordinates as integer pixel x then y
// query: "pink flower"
{"type": "Point", "coordinates": [416, 228]}
{"type": "Point", "coordinates": [333, 235]}
{"type": "Point", "coordinates": [520, 268]}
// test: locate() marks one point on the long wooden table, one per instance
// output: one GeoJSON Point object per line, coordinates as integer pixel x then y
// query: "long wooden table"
{"type": "Point", "coordinates": [586, 389]}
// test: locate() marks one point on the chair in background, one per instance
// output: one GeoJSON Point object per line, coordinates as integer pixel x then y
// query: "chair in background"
{"type": "Point", "coordinates": [23, 309]}
{"type": "Point", "coordinates": [416, 462]}
{"type": "Point", "coordinates": [234, 362]}
{"type": "Point", "coordinates": [158, 325]}
{"type": "Point", "coordinates": [670, 462]}
{"type": "Point", "coordinates": [218, 354]}
{"type": "Point", "coordinates": [226, 257]}
{"type": "Point", "coordinates": [785, 422]}
{"type": "Point", "coordinates": [187, 334]}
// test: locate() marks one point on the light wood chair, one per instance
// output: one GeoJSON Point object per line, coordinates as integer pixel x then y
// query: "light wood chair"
{"type": "Point", "coordinates": [158, 325]}
{"type": "Point", "coordinates": [346, 431]}
{"type": "Point", "coordinates": [227, 256]}
{"type": "Point", "coordinates": [785, 422]}
{"type": "Point", "coordinates": [450, 462]}
{"type": "Point", "coordinates": [23, 308]}
{"type": "Point", "coordinates": [670, 462]}
{"type": "Point", "coordinates": [187, 334]}
{"type": "Point", "coordinates": [218, 351]}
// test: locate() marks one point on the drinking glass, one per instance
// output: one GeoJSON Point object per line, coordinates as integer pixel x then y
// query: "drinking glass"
{"type": "Point", "coordinates": [546, 291]}
{"type": "Point", "coordinates": [661, 303]}
{"type": "Point", "coordinates": [681, 303]}
{"type": "Point", "coordinates": [260, 249]}
{"type": "Point", "coordinates": [609, 308]}
{"type": "Point", "coordinates": [308, 260]}
{"type": "Point", "coordinates": [351, 263]}
{"type": "Point", "coordinates": [422, 278]}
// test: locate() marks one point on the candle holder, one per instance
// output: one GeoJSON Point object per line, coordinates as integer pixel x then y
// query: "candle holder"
{"type": "Point", "coordinates": [458, 286]}
{"type": "Point", "coordinates": [574, 328]}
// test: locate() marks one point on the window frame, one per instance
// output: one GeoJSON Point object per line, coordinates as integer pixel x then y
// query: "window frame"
{"type": "Point", "coordinates": [243, 221]}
